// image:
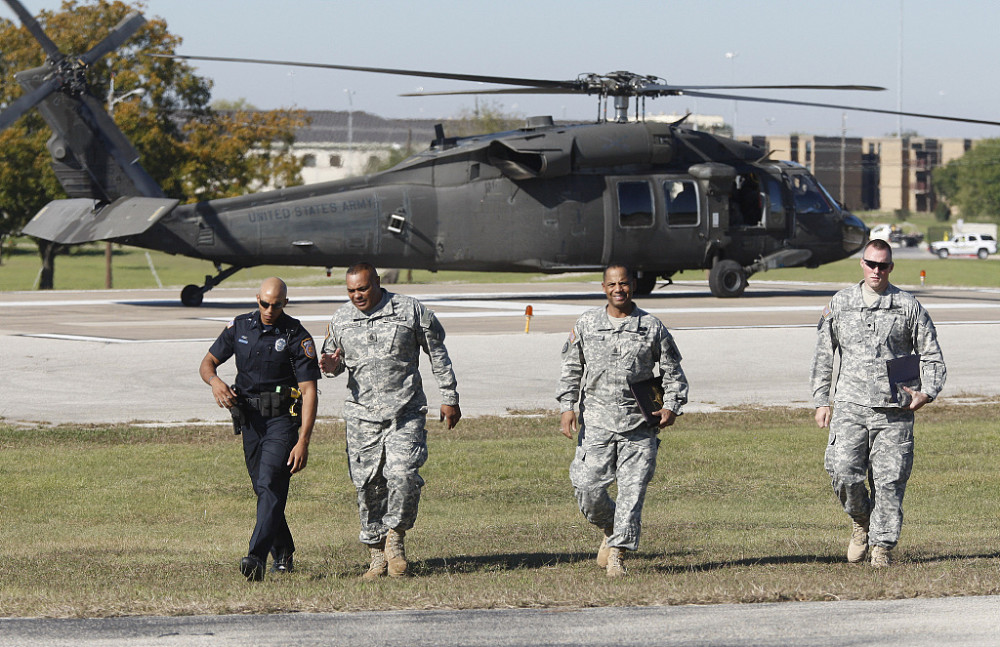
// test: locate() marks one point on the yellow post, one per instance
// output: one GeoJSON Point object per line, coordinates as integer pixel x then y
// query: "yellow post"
{"type": "Point", "coordinates": [527, 319]}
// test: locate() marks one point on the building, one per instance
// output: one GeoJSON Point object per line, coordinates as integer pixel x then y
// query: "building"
{"type": "Point", "coordinates": [898, 171]}
{"type": "Point", "coordinates": [337, 144]}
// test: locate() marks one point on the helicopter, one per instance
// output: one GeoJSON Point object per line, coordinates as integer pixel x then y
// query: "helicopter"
{"type": "Point", "coordinates": [547, 197]}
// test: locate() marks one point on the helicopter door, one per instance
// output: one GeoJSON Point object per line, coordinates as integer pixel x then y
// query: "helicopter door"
{"type": "Point", "coordinates": [683, 220]}
{"type": "Point", "coordinates": [653, 223]}
{"type": "Point", "coordinates": [756, 205]}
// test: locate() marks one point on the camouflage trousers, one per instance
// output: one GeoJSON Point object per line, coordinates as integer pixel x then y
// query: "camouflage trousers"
{"type": "Point", "coordinates": [383, 459]}
{"type": "Point", "coordinates": [871, 446]}
{"type": "Point", "coordinates": [602, 457]}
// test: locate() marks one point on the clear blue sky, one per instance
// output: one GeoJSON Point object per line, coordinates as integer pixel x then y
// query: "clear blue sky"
{"type": "Point", "coordinates": [947, 67]}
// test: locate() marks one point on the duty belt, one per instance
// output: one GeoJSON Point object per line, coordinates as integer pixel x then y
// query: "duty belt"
{"type": "Point", "coordinates": [270, 404]}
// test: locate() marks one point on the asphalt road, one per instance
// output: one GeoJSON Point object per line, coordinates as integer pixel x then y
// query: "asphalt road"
{"type": "Point", "coordinates": [133, 356]}
{"type": "Point", "coordinates": [124, 356]}
{"type": "Point", "coordinates": [968, 622]}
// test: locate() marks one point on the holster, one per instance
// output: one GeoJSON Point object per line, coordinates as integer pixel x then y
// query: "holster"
{"type": "Point", "coordinates": [237, 412]}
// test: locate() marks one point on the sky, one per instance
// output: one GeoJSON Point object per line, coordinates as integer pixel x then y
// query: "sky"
{"type": "Point", "coordinates": [946, 67]}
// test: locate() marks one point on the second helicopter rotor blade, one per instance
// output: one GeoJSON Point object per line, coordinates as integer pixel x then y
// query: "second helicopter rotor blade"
{"type": "Point", "coordinates": [789, 102]}
{"type": "Point", "coordinates": [542, 83]}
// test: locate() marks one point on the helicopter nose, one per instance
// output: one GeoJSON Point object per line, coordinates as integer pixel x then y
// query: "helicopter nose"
{"type": "Point", "coordinates": [854, 233]}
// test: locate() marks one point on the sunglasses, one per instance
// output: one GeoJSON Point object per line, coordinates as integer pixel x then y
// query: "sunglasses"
{"type": "Point", "coordinates": [265, 305]}
{"type": "Point", "coordinates": [881, 267]}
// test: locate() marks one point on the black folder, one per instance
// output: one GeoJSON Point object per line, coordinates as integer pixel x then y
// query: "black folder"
{"type": "Point", "coordinates": [649, 396]}
{"type": "Point", "coordinates": [903, 371]}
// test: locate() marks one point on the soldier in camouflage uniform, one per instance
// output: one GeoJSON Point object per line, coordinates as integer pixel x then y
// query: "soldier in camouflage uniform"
{"type": "Point", "coordinates": [871, 435]}
{"type": "Point", "coordinates": [377, 338]}
{"type": "Point", "coordinates": [610, 348]}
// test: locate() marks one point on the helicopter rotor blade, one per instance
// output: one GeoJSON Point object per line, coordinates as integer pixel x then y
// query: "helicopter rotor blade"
{"type": "Point", "coordinates": [541, 83]}
{"type": "Point", "coordinates": [495, 91]}
{"type": "Point", "coordinates": [27, 101]}
{"type": "Point", "coordinates": [656, 89]}
{"type": "Point", "coordinates": [121, 33]}
{"type": "Point", "coordinates": [789, 102]}
{"type": "Point", "coordinates": [668, 89]}
{"type": "Point", "coordinates": [29, 22]}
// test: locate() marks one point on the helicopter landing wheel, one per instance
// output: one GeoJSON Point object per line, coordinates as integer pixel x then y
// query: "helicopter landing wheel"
{"type": "Point", "coordinates": [192, 296]}
{"type": "Point", "coordinates": [645, 282]}
{"type": "Point", "coordinates": [727, 279]}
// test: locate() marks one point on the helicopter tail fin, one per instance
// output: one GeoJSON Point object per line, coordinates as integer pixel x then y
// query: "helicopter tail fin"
{"type": "Point", "coordinates": [92, 158]}
{"type": "Point", "coordinates": [83, 220]}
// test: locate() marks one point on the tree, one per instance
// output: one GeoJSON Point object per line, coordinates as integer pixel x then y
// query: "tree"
{"type": "Point", "coordinates": [972, 182]}
{"type": "Point", "coordinates": [191, 150]}
{"type": "Point", "coordinates": [475, 121]}
{"type": "Point", "coordinates": [488, 118]}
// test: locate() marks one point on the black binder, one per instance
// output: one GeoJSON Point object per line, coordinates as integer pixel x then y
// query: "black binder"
{"type": "Point", "coordinates": [903, 371]}
{"type": "Point", "coordinates": [649, 396]}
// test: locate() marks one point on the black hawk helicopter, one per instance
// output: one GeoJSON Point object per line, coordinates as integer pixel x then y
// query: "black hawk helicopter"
{"type": "Point", "coordinates": [544, 198]}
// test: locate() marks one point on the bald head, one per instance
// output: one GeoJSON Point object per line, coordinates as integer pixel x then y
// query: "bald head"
{"type": "Point", "coordinates": [272, 297]}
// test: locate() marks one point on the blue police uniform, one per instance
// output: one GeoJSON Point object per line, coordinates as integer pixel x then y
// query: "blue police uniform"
{"type": "Point", "coordinates": [268, 357]}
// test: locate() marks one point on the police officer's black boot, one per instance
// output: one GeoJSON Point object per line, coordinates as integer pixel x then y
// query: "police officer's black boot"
{"type": "Point", "coordinates": [252, 568]}
{"type": "Point", "coordinates": [282, 563]}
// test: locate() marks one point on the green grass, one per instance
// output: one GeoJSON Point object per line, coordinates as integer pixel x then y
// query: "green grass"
{"type": "Point", "coordinates": [102, 521]}
{"type": "Point", "coordinates": [83, 269]}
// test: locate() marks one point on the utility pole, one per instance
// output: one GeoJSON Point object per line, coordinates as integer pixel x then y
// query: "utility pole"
{"type": "Point", "coordinates": [112, 100]}
{"type": "Point", "coordinates": [843, 151]}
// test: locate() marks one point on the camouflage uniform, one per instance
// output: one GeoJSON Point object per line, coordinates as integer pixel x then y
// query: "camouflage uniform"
{"type": "Point", "coordinates": [387, 409]}
{"type": "Point", "coordinates": [868, 431]}
{"type": "Point", "coordinates": [615, 441]}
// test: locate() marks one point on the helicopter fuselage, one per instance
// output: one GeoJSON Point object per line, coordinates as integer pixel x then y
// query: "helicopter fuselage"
{"type": "Point", "coordinates": [656, 197]}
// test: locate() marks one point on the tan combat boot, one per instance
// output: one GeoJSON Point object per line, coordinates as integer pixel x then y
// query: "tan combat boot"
{"type": "Point", "coordinates": [395, 553]}
{"type": "Point", "coordinates": [881, 557]}
{"type": "Point", "coordinates": [378, 565]}
{"type": "Point", "coordinates": [858, 548]}
{"type": "Point", "coordinates": [616, 568]}
{"type": "Point", "coordinates": [602, 552]}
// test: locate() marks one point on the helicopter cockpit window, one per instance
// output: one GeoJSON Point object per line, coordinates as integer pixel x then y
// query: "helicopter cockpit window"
{"type": "Point", "coordinates": [776, 203]}
{"type": "Point", "coordinates": [635, 204]}
{"type": "Point", "coordinates": [681, 199]}
{"type": "Point", "coordinates": [809, 196]}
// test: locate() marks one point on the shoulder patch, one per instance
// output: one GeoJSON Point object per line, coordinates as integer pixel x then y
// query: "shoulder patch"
{"type": "Point", "coordinates": [231, 323]}
{"type": "Point", "coordinates": [309, 348]}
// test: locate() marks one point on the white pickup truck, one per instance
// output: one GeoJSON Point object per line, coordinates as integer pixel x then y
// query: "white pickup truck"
{"type": "Point", "coordinates": [981, 245]}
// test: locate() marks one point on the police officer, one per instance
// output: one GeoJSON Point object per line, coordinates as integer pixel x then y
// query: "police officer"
{"type": "Point", "coordinates": [275, 397]}
{"type": "Point", "coordinates": [609, 349]}
{"type": "Point", "coordinates": [377, 337]}
{"type": "Point", "coordinates": [870, 430]}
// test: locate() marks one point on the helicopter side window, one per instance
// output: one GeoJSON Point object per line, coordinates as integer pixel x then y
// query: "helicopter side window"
{"type": "Point", "coordinates": [809, 196]}
{"type": "Point", "coordinates": [681, 199]}
{"type": "Point", "coordinates": [635, 204]}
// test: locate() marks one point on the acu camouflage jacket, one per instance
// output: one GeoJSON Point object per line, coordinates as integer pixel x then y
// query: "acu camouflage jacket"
{"type": "Point", "coordinates": [600, 360]}
{"type": "Point", "coordinates": [382, 356]}
{"type": "Point", "coordinates": [896, 325]}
